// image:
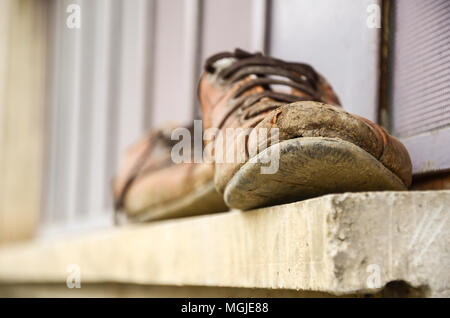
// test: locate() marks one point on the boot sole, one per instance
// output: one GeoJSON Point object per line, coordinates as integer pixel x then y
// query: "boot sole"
{"type": "Point", "coordinates": [308, 167]}
{"type": "Point", "coordinates": [203, 200]}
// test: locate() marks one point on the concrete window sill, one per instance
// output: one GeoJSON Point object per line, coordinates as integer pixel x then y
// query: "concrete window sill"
{"type": "Point", "coordinates": [344, 244]}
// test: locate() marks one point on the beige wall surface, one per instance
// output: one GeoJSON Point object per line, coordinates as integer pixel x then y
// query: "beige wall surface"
{"type": "Point", "coordinates": [22, 90]}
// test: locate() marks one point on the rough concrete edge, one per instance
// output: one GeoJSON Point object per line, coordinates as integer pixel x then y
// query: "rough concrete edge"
{"type": "Point", "coordinates": [340, 250]}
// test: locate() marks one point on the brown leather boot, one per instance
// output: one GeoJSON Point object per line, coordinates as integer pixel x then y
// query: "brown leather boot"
{"type": "Point", "coordinates": [150, 185]}
{"type": "Point", "coordinates": [321, 148]}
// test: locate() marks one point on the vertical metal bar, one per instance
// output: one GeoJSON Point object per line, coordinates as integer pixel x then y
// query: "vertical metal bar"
{"type": "Point", "coordinates": [132, 77]}
{"type": "Point", "coordinates": [172, 65]}
{"type": "Point", "coordinates": [51, 197]}
{"type": "Point", "coordinates": [50, 28]}
{"type": "Point", "coordinates": [127, 94]}
{"type": "Point", "coordinates": [99, 105]}
{"type": "Point", "coordinates": [191, 57]}
{"type": "Point", "coordinates": [259, 25]}
{"type": "Point", "coordinates": [85, 124]}
{"type": "Point", "coordinates": [114, 92]}
{"type": "Point", "coordinates": [149, 63]}
{"type": "Point", "coordinates": [72, 103]}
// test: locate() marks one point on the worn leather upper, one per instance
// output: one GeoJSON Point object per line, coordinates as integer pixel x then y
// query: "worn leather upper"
{"type": "Point", "coordinates": [246, 90]}
{"type": "Point", "coordinates": [148, 176]}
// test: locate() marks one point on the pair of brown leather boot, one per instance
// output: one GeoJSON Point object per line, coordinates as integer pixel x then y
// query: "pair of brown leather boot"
{"type": "Point", "coordinates": [281, 135]}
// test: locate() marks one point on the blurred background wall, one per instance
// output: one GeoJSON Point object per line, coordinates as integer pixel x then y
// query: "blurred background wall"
{"type": "Point", "coordinates": [72, 99]}
{"type": "Point", "coordinates": [23, 80]}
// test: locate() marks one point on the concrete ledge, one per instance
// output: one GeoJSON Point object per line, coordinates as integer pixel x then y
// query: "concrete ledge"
{"type": "Point", "coordinates": [105, 290]}
{"type": "Point", "coordinates": [337, 244]}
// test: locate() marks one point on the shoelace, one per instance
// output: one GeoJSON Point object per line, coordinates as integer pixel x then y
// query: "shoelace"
{"type": "Point", "coordinates": [299, 76]}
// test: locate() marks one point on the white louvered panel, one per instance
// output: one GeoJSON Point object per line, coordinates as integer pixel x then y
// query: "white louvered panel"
{"type": "Point", "coordinates": [97, 98]}
{"type": "Point", "coordinates": [98, 185]}
{"type": "Point", "coordinates": [77, 114]}
{"type": "Point", "coordinates": [421, 66]}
